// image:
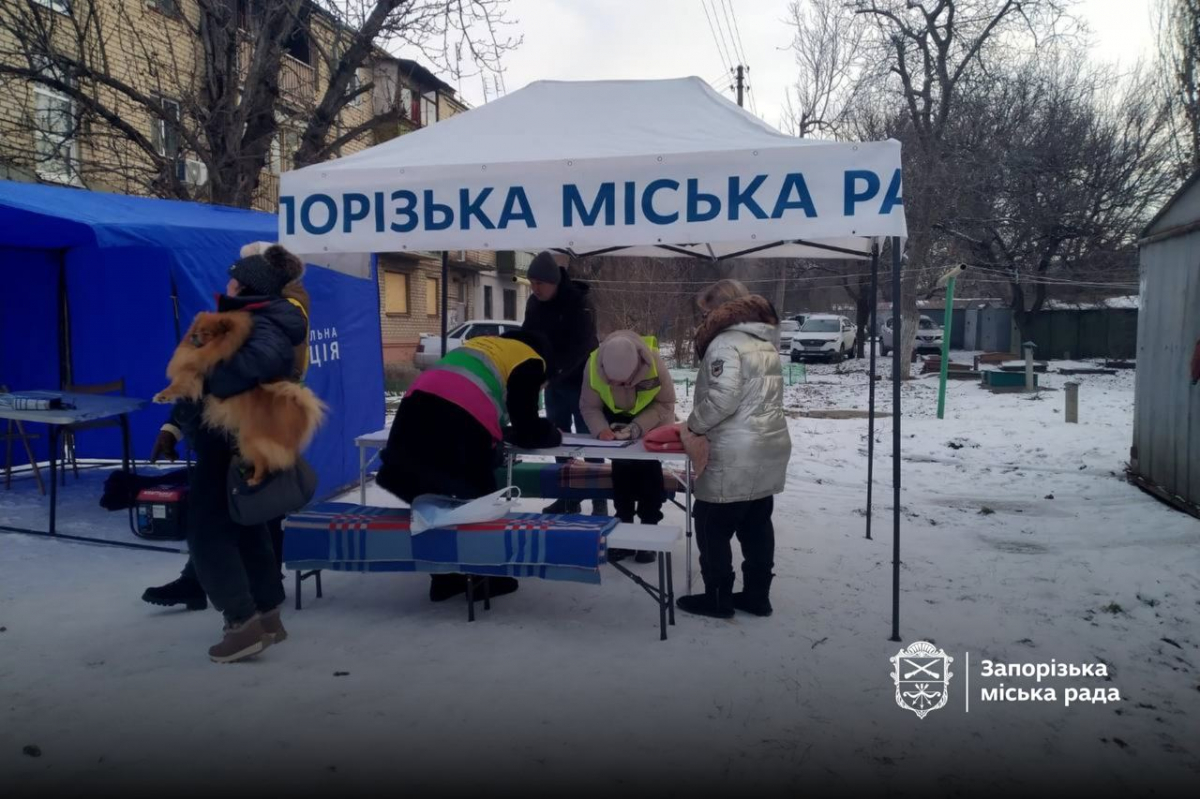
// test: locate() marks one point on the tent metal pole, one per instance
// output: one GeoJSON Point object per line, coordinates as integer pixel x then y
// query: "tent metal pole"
{"type": "Point", "coordinates": [897, 333]}
{"type": "Point", "coordinates": [445, 288]}
{"type": "Point", "coordinates": [871, 404]}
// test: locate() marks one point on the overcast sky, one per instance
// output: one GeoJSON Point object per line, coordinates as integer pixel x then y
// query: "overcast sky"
{"type": "Point", "coordinates": [610, 39]}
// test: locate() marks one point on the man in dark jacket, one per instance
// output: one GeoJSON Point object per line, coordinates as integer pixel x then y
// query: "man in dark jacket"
{"type": "Point", "coordinates": [559, 309]}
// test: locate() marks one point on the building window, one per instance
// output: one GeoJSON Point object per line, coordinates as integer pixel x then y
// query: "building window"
{"type": "Point", "coordinates": [428, 109]}
{"type": "Point", "coordinates": [510, 304]}
{"type": "Point", "coordinates": [61, 6]}
{"type": "Point", "coordinates": [487, 302]}
{"type": "Point", "coordinates": [407, 109]}
{"type": "Point", "coordinates": [395, 292]}
{"type": "Point", "coordinates": [431, 296]}
{"type": "Point", "coordinates": [54, 135]}
{"type": "Point", "coordinates": [168, 7]}
{"type": "Point", "coordinates": [357, 81]}
{"type": "Point", "coordinates": [165, 136]}
{"type": "Point", "coordinates": [283, 150]}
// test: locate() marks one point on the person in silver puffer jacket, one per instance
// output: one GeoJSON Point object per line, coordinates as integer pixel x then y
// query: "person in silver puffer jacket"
{"type": "Point", "coordinates": [738, 415]}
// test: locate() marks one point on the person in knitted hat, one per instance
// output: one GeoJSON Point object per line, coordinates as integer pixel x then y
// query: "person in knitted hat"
{"type": "Point", "coordinates": [236, 565]}
{"type": "Point", "coordinates": [627, 392]}
{"type": "Point", "coordinates": [559, 309]}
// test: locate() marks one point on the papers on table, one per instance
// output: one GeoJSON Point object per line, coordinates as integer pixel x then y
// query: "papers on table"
{"type": "Point", "coordinates": [573, 440]}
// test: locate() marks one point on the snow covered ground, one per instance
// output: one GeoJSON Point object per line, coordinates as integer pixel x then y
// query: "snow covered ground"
{"type": "Point", "coordinates": [1021, 544]}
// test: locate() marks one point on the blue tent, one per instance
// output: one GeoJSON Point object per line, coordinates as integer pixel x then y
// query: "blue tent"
{"type": "Point", "coordinates": [96, 287]}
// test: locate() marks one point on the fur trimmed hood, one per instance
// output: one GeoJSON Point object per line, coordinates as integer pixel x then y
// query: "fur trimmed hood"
{"type": "Point", "coordinates": [744, 310]}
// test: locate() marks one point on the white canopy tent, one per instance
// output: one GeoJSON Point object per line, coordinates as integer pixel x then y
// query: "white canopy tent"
{"type": "Point", "coordinates": [665, 168]}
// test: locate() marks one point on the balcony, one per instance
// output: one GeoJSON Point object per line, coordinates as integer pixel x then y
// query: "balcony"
{"type": "Point", "coordinates": [297, 80]}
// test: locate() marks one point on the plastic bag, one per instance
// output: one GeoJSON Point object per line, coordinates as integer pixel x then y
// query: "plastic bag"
{"type": "Point", "coordinates": [430, 511]}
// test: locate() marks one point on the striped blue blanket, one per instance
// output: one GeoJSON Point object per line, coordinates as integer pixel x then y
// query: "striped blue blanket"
{"type": "Point", "coordinates": [347, 537]}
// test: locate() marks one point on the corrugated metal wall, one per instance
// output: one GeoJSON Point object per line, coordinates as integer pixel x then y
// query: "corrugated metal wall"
{"type": "Point", "coordinates": [1107, 333]}
{"type": "Point", "coordinates": [1166, 431]}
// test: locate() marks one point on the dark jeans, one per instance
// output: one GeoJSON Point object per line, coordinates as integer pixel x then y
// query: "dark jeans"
{"type": "Point", "coordinates": [562, 408]}
{"type": "Point", "coordinates": [638, 489]}
{"type": "Point", "coordinates": [236, 565]}
{"type": "Point", "coordinates": [276, 528]}
{"type": "Point", "coordinates": [717, 524]}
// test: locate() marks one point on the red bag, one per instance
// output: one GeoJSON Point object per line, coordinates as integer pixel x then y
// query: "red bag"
{"type": "Point", "coordinates": [663, 439]}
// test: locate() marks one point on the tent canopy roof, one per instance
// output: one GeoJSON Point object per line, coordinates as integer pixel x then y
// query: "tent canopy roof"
{"type": "Point", "coordinates": [549, 120]}
{"type": "Point", "coordinates": [51, 217]}
{"type": "Point", "coordinates": [664, 168]}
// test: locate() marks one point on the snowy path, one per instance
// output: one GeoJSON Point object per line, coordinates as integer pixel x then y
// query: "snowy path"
{"type": "Point", "coordinates": [1021, 543]}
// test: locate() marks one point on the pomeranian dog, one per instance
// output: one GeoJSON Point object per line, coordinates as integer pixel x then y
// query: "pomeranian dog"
{"type": "Point", "coordinates": [272, 423]}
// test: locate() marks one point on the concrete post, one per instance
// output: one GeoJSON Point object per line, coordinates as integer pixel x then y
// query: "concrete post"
{"type": "Point", "coordinates": [1072, 410]}
{"type": "Point", "coordinates": [1029, 345]}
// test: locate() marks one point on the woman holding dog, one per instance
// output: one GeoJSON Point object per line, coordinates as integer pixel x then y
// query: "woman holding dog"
{"type": "Point", "coordinates": [237, 565]}
{"type": "Point", "coordinates": [738, 438]}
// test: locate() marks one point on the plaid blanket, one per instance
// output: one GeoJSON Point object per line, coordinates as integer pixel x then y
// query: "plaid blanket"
{"type": "Point", "coordinates": [346, 537]}
{"type": "Point", "coordinates": [571, 480]}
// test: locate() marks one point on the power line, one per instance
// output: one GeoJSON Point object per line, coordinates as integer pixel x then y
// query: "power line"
{"type": "Point", "coordinates": [720, 53]}
{"type": "Point", "coordinates": [738, 49]}
{"type": "Point", "coordinates": [738, 30]}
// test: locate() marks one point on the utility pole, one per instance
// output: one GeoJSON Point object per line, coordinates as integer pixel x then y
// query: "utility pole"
{"type": "Point", "coordinates": [741, 74]}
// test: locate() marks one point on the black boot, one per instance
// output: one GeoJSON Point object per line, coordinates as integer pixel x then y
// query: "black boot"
{"type": "Point", "coordinates": [644, 556]}
{"type": "Point", "coordinates": [756, 598]}
{"type": "Point", "coordinates": [714, 602]}
{"type": "Point", "coordinates": [445, 586]}
{"type": "Point", "coordinates": [617, 554]}
{"type": "Point", "coordinates": [563, 506]}
{"type": "Point", "coordinates": [182, 591]}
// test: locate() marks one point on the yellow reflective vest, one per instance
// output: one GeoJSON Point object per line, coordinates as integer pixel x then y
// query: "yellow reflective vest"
{"type": "Point", "coordinates": [601, 386]}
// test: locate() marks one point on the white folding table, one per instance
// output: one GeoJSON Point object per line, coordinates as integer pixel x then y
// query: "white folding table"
{"type": "Point", "coordinates": [634, 452]}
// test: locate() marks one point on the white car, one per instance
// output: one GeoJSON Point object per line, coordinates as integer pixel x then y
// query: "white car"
{"type": "Point", "coordinates": [824, 337]}
{"type": "Point", "coordinates": [429, 345]}
{"type": "Point", "coordinates": [787, 331]}
{"type": "Point", "coordinates": [929, 336]}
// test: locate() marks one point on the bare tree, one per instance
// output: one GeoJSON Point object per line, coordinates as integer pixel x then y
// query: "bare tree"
{"type": "Point", "coordinates": [827, 45]}
{"type": "Point", "coordinates": [148, 86]}
{"type": "Point", "coordinates": [934, 50]}
{"type": "Point", "coordinates": [1061, 172]}
{"type": "Point", "coordinates": [1178, 24]}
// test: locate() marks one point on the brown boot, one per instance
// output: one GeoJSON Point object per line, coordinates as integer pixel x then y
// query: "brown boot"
{"type": "Point", "coordinates": [241, 641]}
{"type": "Point", "coordinates": [273, 625]}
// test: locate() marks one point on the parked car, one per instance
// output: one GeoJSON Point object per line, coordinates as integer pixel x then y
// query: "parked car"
{"type": "Point", "coordinates": [824, 337]}
{"type": "Point", "coordinates": [429, 345]}
{"type": "Point", "coordinates": [929, 336]}
{"type": "Point", "coordinates": [787, 331]}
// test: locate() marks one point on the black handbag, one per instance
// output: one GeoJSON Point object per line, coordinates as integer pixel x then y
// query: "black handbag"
{"type": "Point", "coordinates": [279, 494]}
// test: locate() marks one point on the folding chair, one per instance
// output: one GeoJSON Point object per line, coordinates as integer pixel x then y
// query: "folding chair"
{"type": "Point", "coordinates": [69, 431]}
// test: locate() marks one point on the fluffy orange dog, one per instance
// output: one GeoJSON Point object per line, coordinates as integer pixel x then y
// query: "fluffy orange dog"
{"type": "Point", "coordinates": [272, 422]}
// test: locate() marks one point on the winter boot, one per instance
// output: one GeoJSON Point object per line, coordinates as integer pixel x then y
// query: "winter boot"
{"type": "Point", "coordinates": [616, 554]}
{"type": "Point", "coordinates": [756, 598]}
{"type": "Point", "coordinates": [600, 507]}
{"type": "Point", "coordinates": [562, 506]}
{"type": "Point", "coordinates": [714, 602]}
{"type": "Point", "coordinates": [273, 625]}
{"type": "Point", "coordinates": [644, 556]}
{"type": "Point", "coordinates": [182, 591]}
{"type": "Point", "coordinates": [241, 641]}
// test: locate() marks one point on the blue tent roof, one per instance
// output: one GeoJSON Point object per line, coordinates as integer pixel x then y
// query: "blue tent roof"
{"type": "Point", "coordinates": [128, 273]}
{"type": "Point", "coordinates": [52, 217]}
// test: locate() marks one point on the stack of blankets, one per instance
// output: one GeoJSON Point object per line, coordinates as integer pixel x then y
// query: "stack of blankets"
{"type": "Point", "coordinates": [345, 537]}
{"type": "Point", "coordinates": [571, 480]}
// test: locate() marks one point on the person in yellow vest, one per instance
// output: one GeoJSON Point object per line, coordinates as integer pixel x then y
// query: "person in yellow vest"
{"type": "Point", "coordinates": [627, 392]}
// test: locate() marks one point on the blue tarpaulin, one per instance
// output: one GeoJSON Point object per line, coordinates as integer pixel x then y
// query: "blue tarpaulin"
{"type": "Point", "coordinates": [105, 271]}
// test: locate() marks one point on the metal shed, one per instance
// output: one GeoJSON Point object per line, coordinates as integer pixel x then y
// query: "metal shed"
{"type": "Point", "coordinates": [1165, 457]}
